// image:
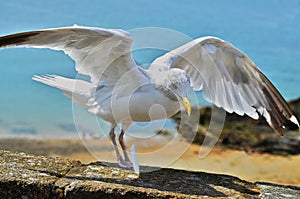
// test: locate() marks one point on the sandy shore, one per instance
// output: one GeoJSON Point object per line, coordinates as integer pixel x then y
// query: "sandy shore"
{"type": "Point", "coordinates": [177, 154]}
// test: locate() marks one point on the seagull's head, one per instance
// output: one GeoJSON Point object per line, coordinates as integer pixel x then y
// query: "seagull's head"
{"type": "Point", "coordinates": [179, 84]}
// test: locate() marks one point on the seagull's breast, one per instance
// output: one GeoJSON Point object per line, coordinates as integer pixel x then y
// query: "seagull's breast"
{"type": "Point", "coordinates": [146, 103]}
{"type": "Point", "coordinates": [151, 103]}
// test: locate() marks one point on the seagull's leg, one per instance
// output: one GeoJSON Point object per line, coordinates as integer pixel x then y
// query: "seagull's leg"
{"type": "Point", "coordinates": [122, 144]}
{"type": "Point", "coordinates": [112, 136]}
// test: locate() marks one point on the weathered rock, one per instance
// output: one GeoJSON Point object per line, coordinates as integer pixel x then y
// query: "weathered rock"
{"type": "Point", "coordinates": [269, 190]}
{"type": "Point", "coordinates": [29, 176]}
{"type": "Point", "coordinates": [23, 175]}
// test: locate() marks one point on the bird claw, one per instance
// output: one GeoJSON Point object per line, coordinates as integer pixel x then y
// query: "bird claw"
{"type": "Point", "coordinates": [125, 164]}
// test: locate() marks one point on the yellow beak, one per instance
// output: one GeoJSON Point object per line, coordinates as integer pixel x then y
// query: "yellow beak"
{"type": "Point", "coordinates": [186, 104]}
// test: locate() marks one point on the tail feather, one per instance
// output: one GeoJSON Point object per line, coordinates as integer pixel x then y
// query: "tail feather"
{"type": "Point", "coordinates": [65, 84]}
{"type": "Point", "coordinates": [81, 92]}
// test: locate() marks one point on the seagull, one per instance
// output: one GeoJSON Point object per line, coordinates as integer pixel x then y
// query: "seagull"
{"type": "Point", "coordinates": [121, 92]}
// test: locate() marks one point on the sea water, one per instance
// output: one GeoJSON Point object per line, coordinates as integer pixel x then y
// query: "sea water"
{"type": "Point", "coordinates": [267, 31]}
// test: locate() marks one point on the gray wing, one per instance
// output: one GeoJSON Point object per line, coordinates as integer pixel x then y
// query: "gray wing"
{"type": "Point", "coordinates": [102, 54]}
{"type": "Point", "coordinates": [228, 79]}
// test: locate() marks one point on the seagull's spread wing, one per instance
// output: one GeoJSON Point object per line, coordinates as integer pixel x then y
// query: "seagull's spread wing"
{"type": "Point", "coordinates": [102, 54]}
{"type": "Point", "coordinates": [228, 79]}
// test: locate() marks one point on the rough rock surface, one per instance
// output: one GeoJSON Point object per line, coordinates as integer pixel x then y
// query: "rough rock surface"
{"type": "Point", "coordinates": [29, 176]}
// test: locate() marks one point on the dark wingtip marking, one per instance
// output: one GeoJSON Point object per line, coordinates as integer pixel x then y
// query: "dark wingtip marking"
{"type": "Point", "coordinates": [280, 112]}
{"type": "Point", "coordinates": [16, 39]}
{"type": "Point", "coordinates": [280, 132]}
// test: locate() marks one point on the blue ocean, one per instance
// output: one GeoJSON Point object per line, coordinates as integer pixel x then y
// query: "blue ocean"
{"type": "Point", "coordinates": [267, 31]}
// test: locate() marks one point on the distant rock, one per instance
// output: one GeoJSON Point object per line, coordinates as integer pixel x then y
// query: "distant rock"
{"type": "Point", "coordinates": [244, 133]}
{"type": "Point", "coordinates": [30, 176]}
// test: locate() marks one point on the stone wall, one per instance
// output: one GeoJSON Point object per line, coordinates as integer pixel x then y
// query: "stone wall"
{"type": "Point", "coordinates": [29, 176]}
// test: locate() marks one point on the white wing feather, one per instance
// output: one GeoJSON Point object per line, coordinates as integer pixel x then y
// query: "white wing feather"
{"type": "Point", "coordinates": [228, 79]}
{"type": "Point", "coordinates": [102, 54]}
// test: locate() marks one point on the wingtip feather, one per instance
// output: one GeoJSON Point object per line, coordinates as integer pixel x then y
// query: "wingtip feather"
{"type": "Point", "coordinates": [294, 120]}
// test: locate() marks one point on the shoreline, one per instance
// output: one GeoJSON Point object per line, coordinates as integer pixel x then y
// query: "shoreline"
{"type": "Point", "coordinates": [252, 166]}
